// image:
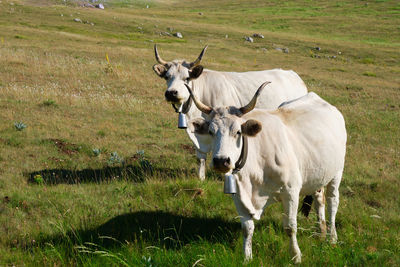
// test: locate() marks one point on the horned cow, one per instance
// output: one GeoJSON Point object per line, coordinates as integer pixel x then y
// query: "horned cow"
{"type": "Point", "coordinates": [216, 88]}
{"type": "Point", "coordinates": [294, 150]}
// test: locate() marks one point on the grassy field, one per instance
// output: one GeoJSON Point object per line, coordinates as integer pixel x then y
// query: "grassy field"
{"type": "Point", "coordinates": [102, 176]}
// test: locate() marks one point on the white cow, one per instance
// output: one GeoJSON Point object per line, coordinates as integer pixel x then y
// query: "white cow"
{"type": "Point", "coordinates": [216, 88]}
{"type": "Point", "coordinates": [294, 150]}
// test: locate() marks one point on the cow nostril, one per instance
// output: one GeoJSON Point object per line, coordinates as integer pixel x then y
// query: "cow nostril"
{"type": "Point", "coordinates": [222, 162]}
{"type": "Point", "coordinates": [215, 161]}
{"type": "Point", "coordinates": [171, 94]}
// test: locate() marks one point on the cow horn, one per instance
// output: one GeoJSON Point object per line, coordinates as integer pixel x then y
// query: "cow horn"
{"type": "Point", "coordinates": [203, 108]}
{"type": "Point", "coordinates": [250, 106]}
{"type": "Point", "coordinates": [158, 58]}
{"type": "Point", "coordinates": [197, 61]}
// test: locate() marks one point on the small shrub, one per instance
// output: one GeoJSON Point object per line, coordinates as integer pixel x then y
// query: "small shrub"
{"type": "Point", "coordinates": [19, 126]}
{"type": "Point", "coordinates": [96, 151]}
{"type": "Point", "coordinates": [369, 74]}
{"type": "Point", "coordinates": [114, 158]}
{"type": "Point", "coordinates": [38, 179]}
{"type": "Point", "coordinates": [101, 133]}
{"type": "Point", "coordinates": [49, 103]}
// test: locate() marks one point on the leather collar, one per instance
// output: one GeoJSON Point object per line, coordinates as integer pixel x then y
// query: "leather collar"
{"type": "Point", "coordinates": [243, 156]}
{"type": "Point", "coordinates": [186, 105]}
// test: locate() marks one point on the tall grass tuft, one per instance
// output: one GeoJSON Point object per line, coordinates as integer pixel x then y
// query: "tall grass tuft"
{"type": "Point", "coordinates": [114, 258]}
{"type": "Point", "coordinates": [109, 68]}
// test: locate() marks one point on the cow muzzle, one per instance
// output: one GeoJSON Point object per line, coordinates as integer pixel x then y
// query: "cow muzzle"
{"type": "Point", "coordinates": [222, 164]}
{"type": "Point", "coordinates": [172, 96]}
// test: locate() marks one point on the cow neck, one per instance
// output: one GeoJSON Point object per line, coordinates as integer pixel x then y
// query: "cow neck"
{"type": "Point", "coordinates": [243, 156]}
{"type": "Point", "coordinates": [186, 105]}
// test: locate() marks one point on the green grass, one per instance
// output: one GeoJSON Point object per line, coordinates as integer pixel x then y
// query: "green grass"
{"type": "Point", "coordinates": [63, 205]}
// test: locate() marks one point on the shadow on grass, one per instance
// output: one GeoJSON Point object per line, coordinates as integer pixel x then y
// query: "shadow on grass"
{"type": "Point", "coordinates": [151, 228]}
{"type": "Point", "coordinates": [135, 173]}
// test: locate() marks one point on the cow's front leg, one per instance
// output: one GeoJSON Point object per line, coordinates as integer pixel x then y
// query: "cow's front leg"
{"type": "Point", "coordinates": [247, 227]}
{"type": "Point", "coordinates": [202, 164]}
{"type": "Point", "coordinates": [248, 230]}
{"type": "Point", "coordinates": [290, 201]}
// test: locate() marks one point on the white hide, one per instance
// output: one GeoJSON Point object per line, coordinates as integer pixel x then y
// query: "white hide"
{"type": "Point", "coordinates": [299, 150]}
{"type": "Point", "coordinates": [215, 88]}
{"type": "Point", "coordinates": [306, 137]}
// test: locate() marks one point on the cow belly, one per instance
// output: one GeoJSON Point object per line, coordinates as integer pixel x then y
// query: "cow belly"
{"type": "Point", "coordinates": [316, 178]}
{"type": "Point", "coordinates": [312, 185]}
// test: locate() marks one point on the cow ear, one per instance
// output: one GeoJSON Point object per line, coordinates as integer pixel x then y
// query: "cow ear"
{"type": "Point", "coordinates": [160, 70]}
{"type": "Point", "coordinates": [198, 126]}
{"type": "Point", "coordinates": [251, 127]}
{"type": "Point", "coordinates": [196, 72]}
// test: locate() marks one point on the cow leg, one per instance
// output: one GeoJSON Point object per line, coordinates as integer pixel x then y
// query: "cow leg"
{"type": "Point", "coordinates": [332, 195]}
{"type": "Point", "coordinates": [247, 228]}
{"type": "Point", "coordinates": [290, 201]}
{"type": "Point", "coordinates": [319, 205]}
{"type": "Point", "coordinates": [202, 164]}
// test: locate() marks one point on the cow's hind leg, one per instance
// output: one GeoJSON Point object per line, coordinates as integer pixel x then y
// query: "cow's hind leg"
{"type": "Point", "coordinates": [290, 201]}
{"type": "Point", "coordinates": [332, 196]}
{"type": "Point", "coordinates": [202, 164]}
{"type": "Point", "coordinates": [319, 205]}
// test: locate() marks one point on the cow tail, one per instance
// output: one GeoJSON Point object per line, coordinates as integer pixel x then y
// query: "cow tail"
{"type": "Point", "coordinates": [306, 207]}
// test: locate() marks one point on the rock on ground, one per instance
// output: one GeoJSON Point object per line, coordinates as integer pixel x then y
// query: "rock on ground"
{"type": "Point", "coordinates": [258, 35]}
{"type": "Point", "coordinates": [249, 39]}
{"type": "Point", "coordinates": [178, 34]}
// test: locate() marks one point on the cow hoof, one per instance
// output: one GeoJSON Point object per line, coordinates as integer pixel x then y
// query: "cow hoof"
{"type": "Point", "coordinates": [297, 259]}
{"type": "Point", "coordinates": [333, 239]}
{"type": "Point", "coordinates": [247, 260]}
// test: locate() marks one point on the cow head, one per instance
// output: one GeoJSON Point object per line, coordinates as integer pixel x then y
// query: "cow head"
{"type": "Point", "coordinates": [177, 73]}
{"type": "Point", "coordinates": [226, 126]}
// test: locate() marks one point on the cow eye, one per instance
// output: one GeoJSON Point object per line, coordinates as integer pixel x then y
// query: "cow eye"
{"type": "Point", "coordinates": [167, 76]}
{"type": "Point", "coordinates": [238, 133]}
